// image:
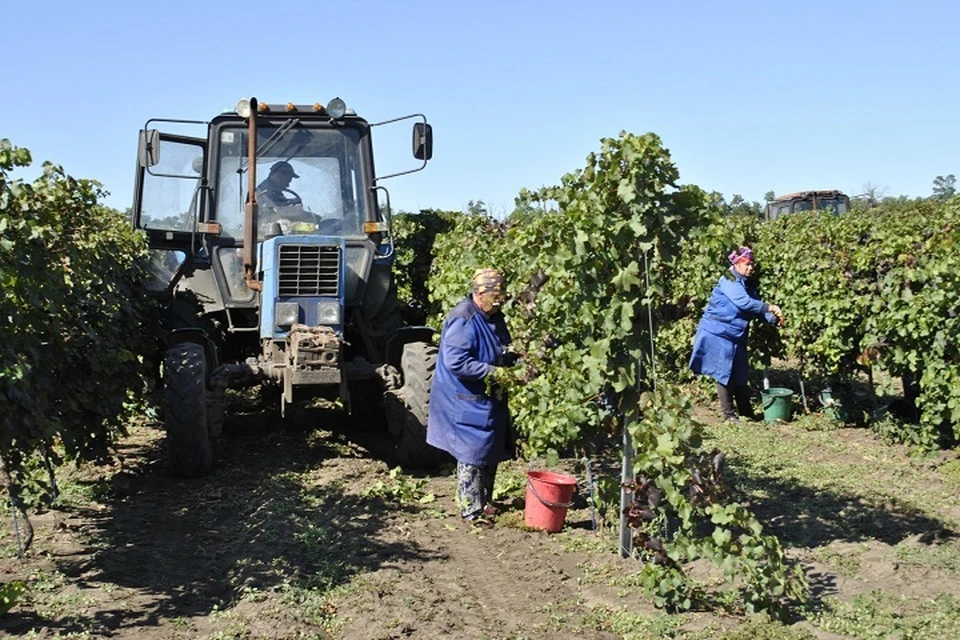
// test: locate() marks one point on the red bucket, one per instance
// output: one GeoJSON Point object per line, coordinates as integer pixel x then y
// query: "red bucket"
{"type": "Point", "coordinates": [548, 498]}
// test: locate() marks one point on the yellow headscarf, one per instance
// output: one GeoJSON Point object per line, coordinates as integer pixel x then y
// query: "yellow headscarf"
{"type": "Point", "coordinates": [488, 280]}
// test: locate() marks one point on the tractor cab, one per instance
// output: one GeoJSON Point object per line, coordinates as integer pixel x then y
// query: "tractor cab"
{"type": "Point", "coordinates": [832, 200]}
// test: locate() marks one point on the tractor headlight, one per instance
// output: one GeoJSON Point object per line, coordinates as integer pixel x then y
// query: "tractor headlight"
{"type": "Point", "coordinates": [286, 314]}
{"type": "Point", "coordinates": [329, 312]}
{"type": "Point", "coordinates": [337, 108]}
{"type": "Point", "coordinates": [243, 108]}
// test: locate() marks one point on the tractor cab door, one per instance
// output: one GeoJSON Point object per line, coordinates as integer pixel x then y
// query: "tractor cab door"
{"type": "Point", "coordinates": [169, 195]}
{"type": "Point", "coordinates": [169, 201]}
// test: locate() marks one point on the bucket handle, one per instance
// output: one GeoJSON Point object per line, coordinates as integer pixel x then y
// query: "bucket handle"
{"type": "Point", "coordinates": [765, 403]}
{"type": "Point", "coordinates": [564, 505]}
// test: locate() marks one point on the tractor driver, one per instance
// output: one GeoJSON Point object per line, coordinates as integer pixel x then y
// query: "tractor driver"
{"type": "Point", "coordinates": [275, 190]}
{"type": "Point", "coordinates": [279, 204]}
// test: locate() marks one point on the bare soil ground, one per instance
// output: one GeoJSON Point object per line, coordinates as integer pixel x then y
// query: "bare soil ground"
{"type": "Point", "coordinates": [301, 532]}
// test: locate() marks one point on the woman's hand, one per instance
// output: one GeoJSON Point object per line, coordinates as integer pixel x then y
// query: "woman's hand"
{"type": "Point", "coordinates": [777, 313]}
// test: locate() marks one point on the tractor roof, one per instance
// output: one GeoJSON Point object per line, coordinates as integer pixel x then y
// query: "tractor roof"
{"type": "Point", "coordinates": [804, 194]}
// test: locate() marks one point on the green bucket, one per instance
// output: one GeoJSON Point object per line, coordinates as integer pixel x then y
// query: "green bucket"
{"type": "Point", "coordinates": [777, 404]}
{"type": "Point", "coordinates": [833, 406]}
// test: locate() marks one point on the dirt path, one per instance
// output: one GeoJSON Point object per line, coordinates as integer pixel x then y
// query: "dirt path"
{"type": "Point", "coordinates": [284, 540]}
{"type": "Point", "coordinates": [301, 532]}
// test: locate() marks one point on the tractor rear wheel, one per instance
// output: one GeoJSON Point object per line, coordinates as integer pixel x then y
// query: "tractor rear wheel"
{"type": "Point", "coordinates": [185, 410]}
{"type": "Point", "coordinates": [418, 363]}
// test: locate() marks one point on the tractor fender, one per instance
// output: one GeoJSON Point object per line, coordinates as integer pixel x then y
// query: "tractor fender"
{"type": "Point", "coordinates": [403, 336]}
{"type": "Point", "coordinates": [199, 336]}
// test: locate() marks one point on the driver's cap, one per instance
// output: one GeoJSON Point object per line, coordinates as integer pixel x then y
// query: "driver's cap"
{"type": "Point", "coordinates": [285, 167]}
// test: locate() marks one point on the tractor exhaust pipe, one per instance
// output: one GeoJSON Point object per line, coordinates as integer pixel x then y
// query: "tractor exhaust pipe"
{"type": "Point", "coordinates": [251, 207]}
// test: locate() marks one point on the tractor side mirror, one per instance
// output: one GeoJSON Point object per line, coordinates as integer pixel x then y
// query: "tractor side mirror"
{"type": "Point", "coordinates": [422, 141]}
{"type": "Point", "coordinates": [148, 152]}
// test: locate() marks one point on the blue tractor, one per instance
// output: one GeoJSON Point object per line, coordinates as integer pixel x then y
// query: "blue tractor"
{"type": "Point", "coordinates": [271, 259]}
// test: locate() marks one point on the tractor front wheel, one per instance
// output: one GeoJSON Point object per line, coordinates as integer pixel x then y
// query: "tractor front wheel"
{"type": "Point", "coordinates": [185, 410]}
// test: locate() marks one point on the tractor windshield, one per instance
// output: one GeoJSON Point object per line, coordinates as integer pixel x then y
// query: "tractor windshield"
{"type": "Point", "coordinates": [309, 180]}
{"type": "Point", "coordinates": [839, 204]}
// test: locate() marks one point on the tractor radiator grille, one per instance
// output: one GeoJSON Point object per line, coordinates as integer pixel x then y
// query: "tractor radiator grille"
{"type": "Point", "coordinates": [309, 270]}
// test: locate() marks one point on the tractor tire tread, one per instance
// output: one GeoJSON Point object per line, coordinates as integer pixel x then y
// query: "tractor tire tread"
{"type": "Point", "coordinates": [418, 364]}
{"type": "Point", "coordinates": [185, 410]}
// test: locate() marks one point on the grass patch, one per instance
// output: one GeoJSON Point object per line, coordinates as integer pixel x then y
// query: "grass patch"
{"type": "Point", "coordinates": [760, 628]}
{"type": "Point", "coordinates": [510, 483]}
{"type": "Point", "coordinates": [316, 606]}
{"type": "Point", "coordinates": [844, 562]}
{"type": "Point", "coordinates": [950, 472]}
{"type": "Point", "coordinates": [816, 421]}
{"type": "Point", "coordinates": [879, 615]}
{"type": "Point", "coordinates": [513, 519]}
{"type": "Point", "coordinates": [634, 626]}
{"type": "Point", "coordinates": [594, 542]}
{"type": "Point", "coordinates": [610, 574]}
{"type": "Point", "coordinates": [863, 469]}
{"type": "Point", "coordinates": [943, 556]}
{"type": "Point", "coordinates": [400, 488]}
{"type": "Point", "coordinates": [8, 550]}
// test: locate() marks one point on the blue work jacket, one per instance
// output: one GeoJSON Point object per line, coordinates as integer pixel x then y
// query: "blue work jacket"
{"type": "Point", "coordinates": [464, 421]}
{"type": "Point", "coordinates": [720, 346]}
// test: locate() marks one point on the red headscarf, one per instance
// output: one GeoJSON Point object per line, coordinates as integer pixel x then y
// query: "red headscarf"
{"type": "Point", "coordinates": [743, 254]}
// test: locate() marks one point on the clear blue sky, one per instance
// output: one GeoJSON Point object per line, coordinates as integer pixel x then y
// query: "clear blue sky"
{"type": "Point", "coordinates": [748, 96]}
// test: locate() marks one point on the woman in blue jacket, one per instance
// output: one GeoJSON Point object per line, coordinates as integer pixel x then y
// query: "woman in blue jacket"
{"type": "Point", "coordinates": [720, 346]}
{"type": "Point", "coordinates": [465, 420]}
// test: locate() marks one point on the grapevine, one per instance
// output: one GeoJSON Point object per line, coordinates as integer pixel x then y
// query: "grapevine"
{"type": "Point", "coordinates": [590, 263]}
{"type": "Point", "coordinates": [70, 358]}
